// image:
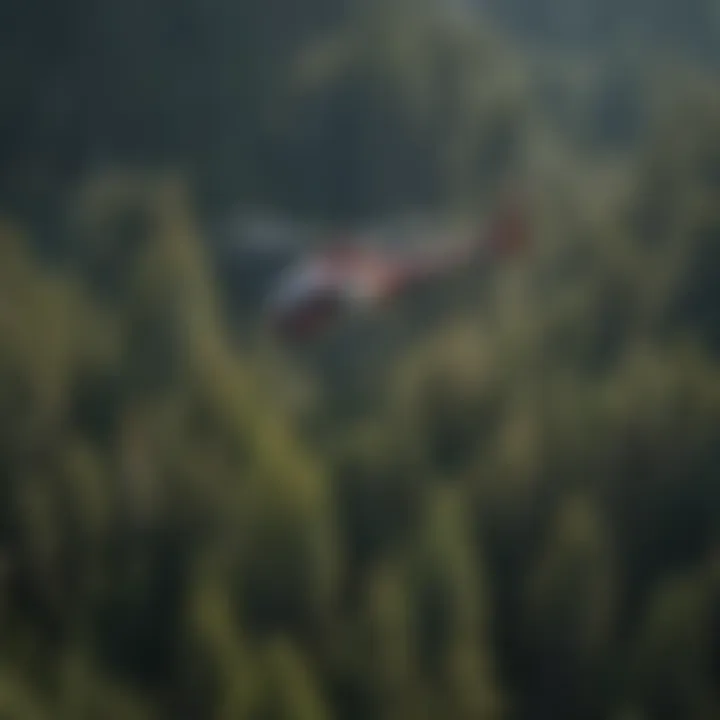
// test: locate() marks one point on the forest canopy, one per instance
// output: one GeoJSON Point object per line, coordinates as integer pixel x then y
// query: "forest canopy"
{"type": "Point", "coordinates": [501, 500]}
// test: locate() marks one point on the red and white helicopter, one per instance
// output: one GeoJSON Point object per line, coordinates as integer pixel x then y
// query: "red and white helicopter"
{"type": "Point", "coordinates": [322, 288]}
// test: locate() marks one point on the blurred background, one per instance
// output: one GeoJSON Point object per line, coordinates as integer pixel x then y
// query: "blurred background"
{"type": "Point", "coordinates": [497, 499]}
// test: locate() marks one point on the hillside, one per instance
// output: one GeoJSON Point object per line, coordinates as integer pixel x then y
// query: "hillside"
{"type": "Point", "coordinates": [499, 499]}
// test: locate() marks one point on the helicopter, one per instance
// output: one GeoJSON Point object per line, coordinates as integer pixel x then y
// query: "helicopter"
{"type": "Point", "coordinates": [351, 275]}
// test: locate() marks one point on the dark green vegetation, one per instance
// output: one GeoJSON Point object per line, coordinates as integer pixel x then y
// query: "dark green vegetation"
{"type": "Point", "coordinates": [499, 501]}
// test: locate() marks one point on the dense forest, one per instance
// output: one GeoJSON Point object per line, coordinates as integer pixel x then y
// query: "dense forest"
{"type": "Point", "coordinates": [500, 500]}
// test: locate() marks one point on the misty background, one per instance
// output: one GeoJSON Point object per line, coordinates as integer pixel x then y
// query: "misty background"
{"type": "Point", "coordinates": [498, 499]}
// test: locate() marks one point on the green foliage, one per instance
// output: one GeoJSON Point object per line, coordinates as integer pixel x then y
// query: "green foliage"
{"type": "Point", "coordinates": [500, 501]}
